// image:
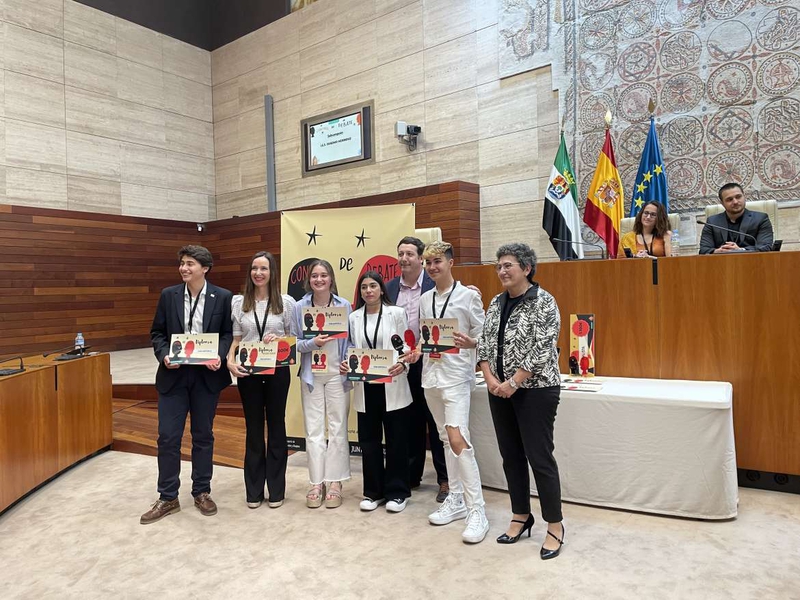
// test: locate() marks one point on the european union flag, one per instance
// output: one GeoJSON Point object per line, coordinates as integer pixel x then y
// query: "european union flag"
{"type": "Point", "coordinates": [651, 180]}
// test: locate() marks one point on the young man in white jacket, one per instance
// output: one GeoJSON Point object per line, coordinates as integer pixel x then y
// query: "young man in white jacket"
{"type": "Point", "coordinates": [448, 379]}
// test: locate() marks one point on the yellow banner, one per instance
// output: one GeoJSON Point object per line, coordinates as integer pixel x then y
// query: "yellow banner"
{"type": "Point", "coordinates": [353, 240]}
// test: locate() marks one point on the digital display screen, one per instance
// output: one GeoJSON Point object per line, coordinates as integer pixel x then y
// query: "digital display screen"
{"type": "Point", "coordinates": [336, 140]}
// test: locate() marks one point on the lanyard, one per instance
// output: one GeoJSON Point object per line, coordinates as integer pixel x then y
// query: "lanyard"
{"type": "Point", "coordinates": [644, 243]}
{"type": "Point", "coordinates": [329, 301]}
{"type": "Point", "coordinates": [446, 302]}
{"type": "Point", "coordinates": [261, 327]}
{"type": "Point", "coordinates": [374, 343]}
{"type": "Point", "coordinates": [192, 307]}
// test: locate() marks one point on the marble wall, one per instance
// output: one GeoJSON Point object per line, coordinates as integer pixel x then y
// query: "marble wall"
{"type": "Point", "coordinates": [99, 114]}
{"type": "Point", "coordinates": [102, 115]}
{"type": "Point", "coordinates": [432, 63]}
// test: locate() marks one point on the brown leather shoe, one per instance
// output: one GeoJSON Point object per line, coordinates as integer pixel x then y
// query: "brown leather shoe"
{"type": "Point", "coordinates": [205, 504]}
{"type": "Point", "coordinates": [159, 510]}
{"type": "Point", "coordinates": [444, 489]}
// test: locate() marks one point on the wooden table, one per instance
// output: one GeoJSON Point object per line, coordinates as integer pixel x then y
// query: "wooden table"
{"type": "Point", "coordinates": [52, 416]}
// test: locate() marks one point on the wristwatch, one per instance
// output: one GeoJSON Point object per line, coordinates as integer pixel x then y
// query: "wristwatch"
{"type": "Point", "coordinates": [513, 383]}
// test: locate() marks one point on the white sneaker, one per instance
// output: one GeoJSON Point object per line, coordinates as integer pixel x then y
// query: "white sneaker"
{"type": "Point", "coordinates": [396, 505]}
{"type": "Point", "coordinates": [254, 504]}
{"type": "Point", "coordinates": [370, 504]}
{"type": "Point", "coordinates": [477, 526]}
{"type": "Point", "coordinates": [451, 509]}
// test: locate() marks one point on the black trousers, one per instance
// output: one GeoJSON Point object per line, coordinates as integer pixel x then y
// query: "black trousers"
{"type": "Point", "coordinates": [422, 425]}
{"type": "Point", "coordinates": [189, 396]}
{"type": "Point", "coordinates": [392, 481]}
{"type": "Point", "coordinates": [524, 427]}
{"type": "Point", "coordinates": [264, 400]}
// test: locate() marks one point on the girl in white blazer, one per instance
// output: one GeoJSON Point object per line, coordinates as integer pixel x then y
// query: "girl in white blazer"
{"type": "Point", "coordinates": [383, 408]}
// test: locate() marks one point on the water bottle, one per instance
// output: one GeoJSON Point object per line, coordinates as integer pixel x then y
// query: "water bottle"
{"type": "Point", "coordinates": [79, 342]}
{"type": "Point", "coordinates": [676, 243]}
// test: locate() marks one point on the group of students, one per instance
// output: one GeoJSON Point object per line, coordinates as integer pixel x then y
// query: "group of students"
{"type": "Point", "coordinates": [513, 344]}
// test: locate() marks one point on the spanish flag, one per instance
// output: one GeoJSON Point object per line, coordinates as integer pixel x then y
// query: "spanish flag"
{"type": "Point", "coordinates": [605, 201]}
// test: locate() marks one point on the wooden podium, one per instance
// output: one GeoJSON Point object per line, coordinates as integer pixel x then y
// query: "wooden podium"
{"type": "Point", "coordinates": [52, 416]}
{"type": "Point", "coordinates": [708, 318]}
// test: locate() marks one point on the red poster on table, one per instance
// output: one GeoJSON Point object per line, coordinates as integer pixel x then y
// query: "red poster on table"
{"type": "Point", "coordinates": [581, 345]}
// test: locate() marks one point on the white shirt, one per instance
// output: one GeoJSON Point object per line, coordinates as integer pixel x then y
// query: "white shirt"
{"type": "Point", "coordinates": [244, 323]}
{"type": "Point", "coordinates": [197, 321]}
{"type": "Point", "coordinates": [466, 306]}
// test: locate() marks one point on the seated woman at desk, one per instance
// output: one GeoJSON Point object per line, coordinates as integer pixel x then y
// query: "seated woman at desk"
{"type": "Point", "coordinates": [651, 235]}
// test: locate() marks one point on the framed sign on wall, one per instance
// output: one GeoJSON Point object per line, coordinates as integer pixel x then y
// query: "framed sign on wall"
{"type": "Point", "coordinates": [339, 139]}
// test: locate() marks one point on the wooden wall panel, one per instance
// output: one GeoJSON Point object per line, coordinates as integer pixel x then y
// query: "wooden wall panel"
{"type": "Point", "coordinates": [734, 318]}
{"type": "Point", "coordinates": [64, 271]}
{"type": "Point", "coordinates": [620, 293]}
{"type": "Point", "coordinates": [455, 207]}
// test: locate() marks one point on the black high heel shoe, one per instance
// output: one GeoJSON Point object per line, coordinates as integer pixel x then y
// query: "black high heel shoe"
{"type": "Point", "coordinates": [526, 526]}
{"type": "Point", "coordinates": [547, 554]}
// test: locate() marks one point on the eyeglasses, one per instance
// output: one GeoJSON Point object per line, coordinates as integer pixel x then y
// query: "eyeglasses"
{"type": "Point", "coordinates": [504, 266]}
{"type": "Point", "coordinates": [647, 213]}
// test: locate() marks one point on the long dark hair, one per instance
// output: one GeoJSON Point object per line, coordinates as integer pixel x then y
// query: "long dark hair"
{"type": "Point", "coordinates": [379, 280]}
{"type": "Point", "coordinates": [661, 227]}
{"type": "Point", "coordinates": [324, 263]}
{"type": "Point", "coordinates": [275, 305]}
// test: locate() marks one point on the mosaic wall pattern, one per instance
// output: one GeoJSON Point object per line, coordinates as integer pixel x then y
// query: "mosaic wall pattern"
{"type": "Point", "coordinates": [724, 73]}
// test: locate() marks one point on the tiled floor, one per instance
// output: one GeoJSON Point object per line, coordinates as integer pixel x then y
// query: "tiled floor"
{"type": "Point", "coordinates": [79, 537]}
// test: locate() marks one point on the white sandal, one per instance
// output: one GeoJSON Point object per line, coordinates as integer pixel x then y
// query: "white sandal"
{"type": "Point", "coordinates": [333, 498]}
{"type": "Point", "coordinates": [315, 496]}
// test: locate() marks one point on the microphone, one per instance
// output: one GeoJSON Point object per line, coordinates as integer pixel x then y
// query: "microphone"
{"type": "Point", "coordinates": [738, 233]}
{"type": "Point", "coordinates": [602, 252]}
{"type": "Point", "coordinates": [73, 352]}
{"type": "Point", "coordinates": [49, 352]}
{"type": "Point", "coordinates": [12, 371]}
{"type": "Point", "coordinates": [397, 343]}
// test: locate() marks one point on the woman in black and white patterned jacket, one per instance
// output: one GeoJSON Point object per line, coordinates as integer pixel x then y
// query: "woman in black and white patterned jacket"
{"type": "Point", "coordinates": [519, 359]}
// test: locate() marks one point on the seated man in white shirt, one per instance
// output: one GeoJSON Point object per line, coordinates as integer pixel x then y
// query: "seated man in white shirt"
{"type": "Point", "coordinates": [448, 380]}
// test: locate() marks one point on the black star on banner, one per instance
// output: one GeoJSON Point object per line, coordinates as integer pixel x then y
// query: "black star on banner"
{"type": "Point", "coordinates": [361, 239]}
{"type": "Point", "coordinates": [312, 237]}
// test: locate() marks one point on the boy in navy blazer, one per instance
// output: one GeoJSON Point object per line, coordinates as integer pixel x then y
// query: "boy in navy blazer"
{"type": "Point", "coordinates": [194, 306]}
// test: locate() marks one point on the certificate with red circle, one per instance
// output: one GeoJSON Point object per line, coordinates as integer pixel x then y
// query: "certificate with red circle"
{"type": "Point", "coordinates": [370, 366]}
{"type": "Point", "coordinates": [194, 349]}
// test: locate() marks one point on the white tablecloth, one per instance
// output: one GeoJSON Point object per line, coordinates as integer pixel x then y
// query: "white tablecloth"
{"type": "Point", "coordinates": [656, 446]}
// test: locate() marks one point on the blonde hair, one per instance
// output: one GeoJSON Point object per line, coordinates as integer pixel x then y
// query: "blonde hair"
{"type": "Point", "coordinates": [438, 249]}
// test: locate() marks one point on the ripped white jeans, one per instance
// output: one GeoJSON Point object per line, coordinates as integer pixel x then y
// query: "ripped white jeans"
{"type": "Point", "coordinates": [450, 408]}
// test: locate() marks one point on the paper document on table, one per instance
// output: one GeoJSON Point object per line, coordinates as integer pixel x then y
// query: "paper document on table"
{"type": "Point", "coordinates": [581, 384]}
